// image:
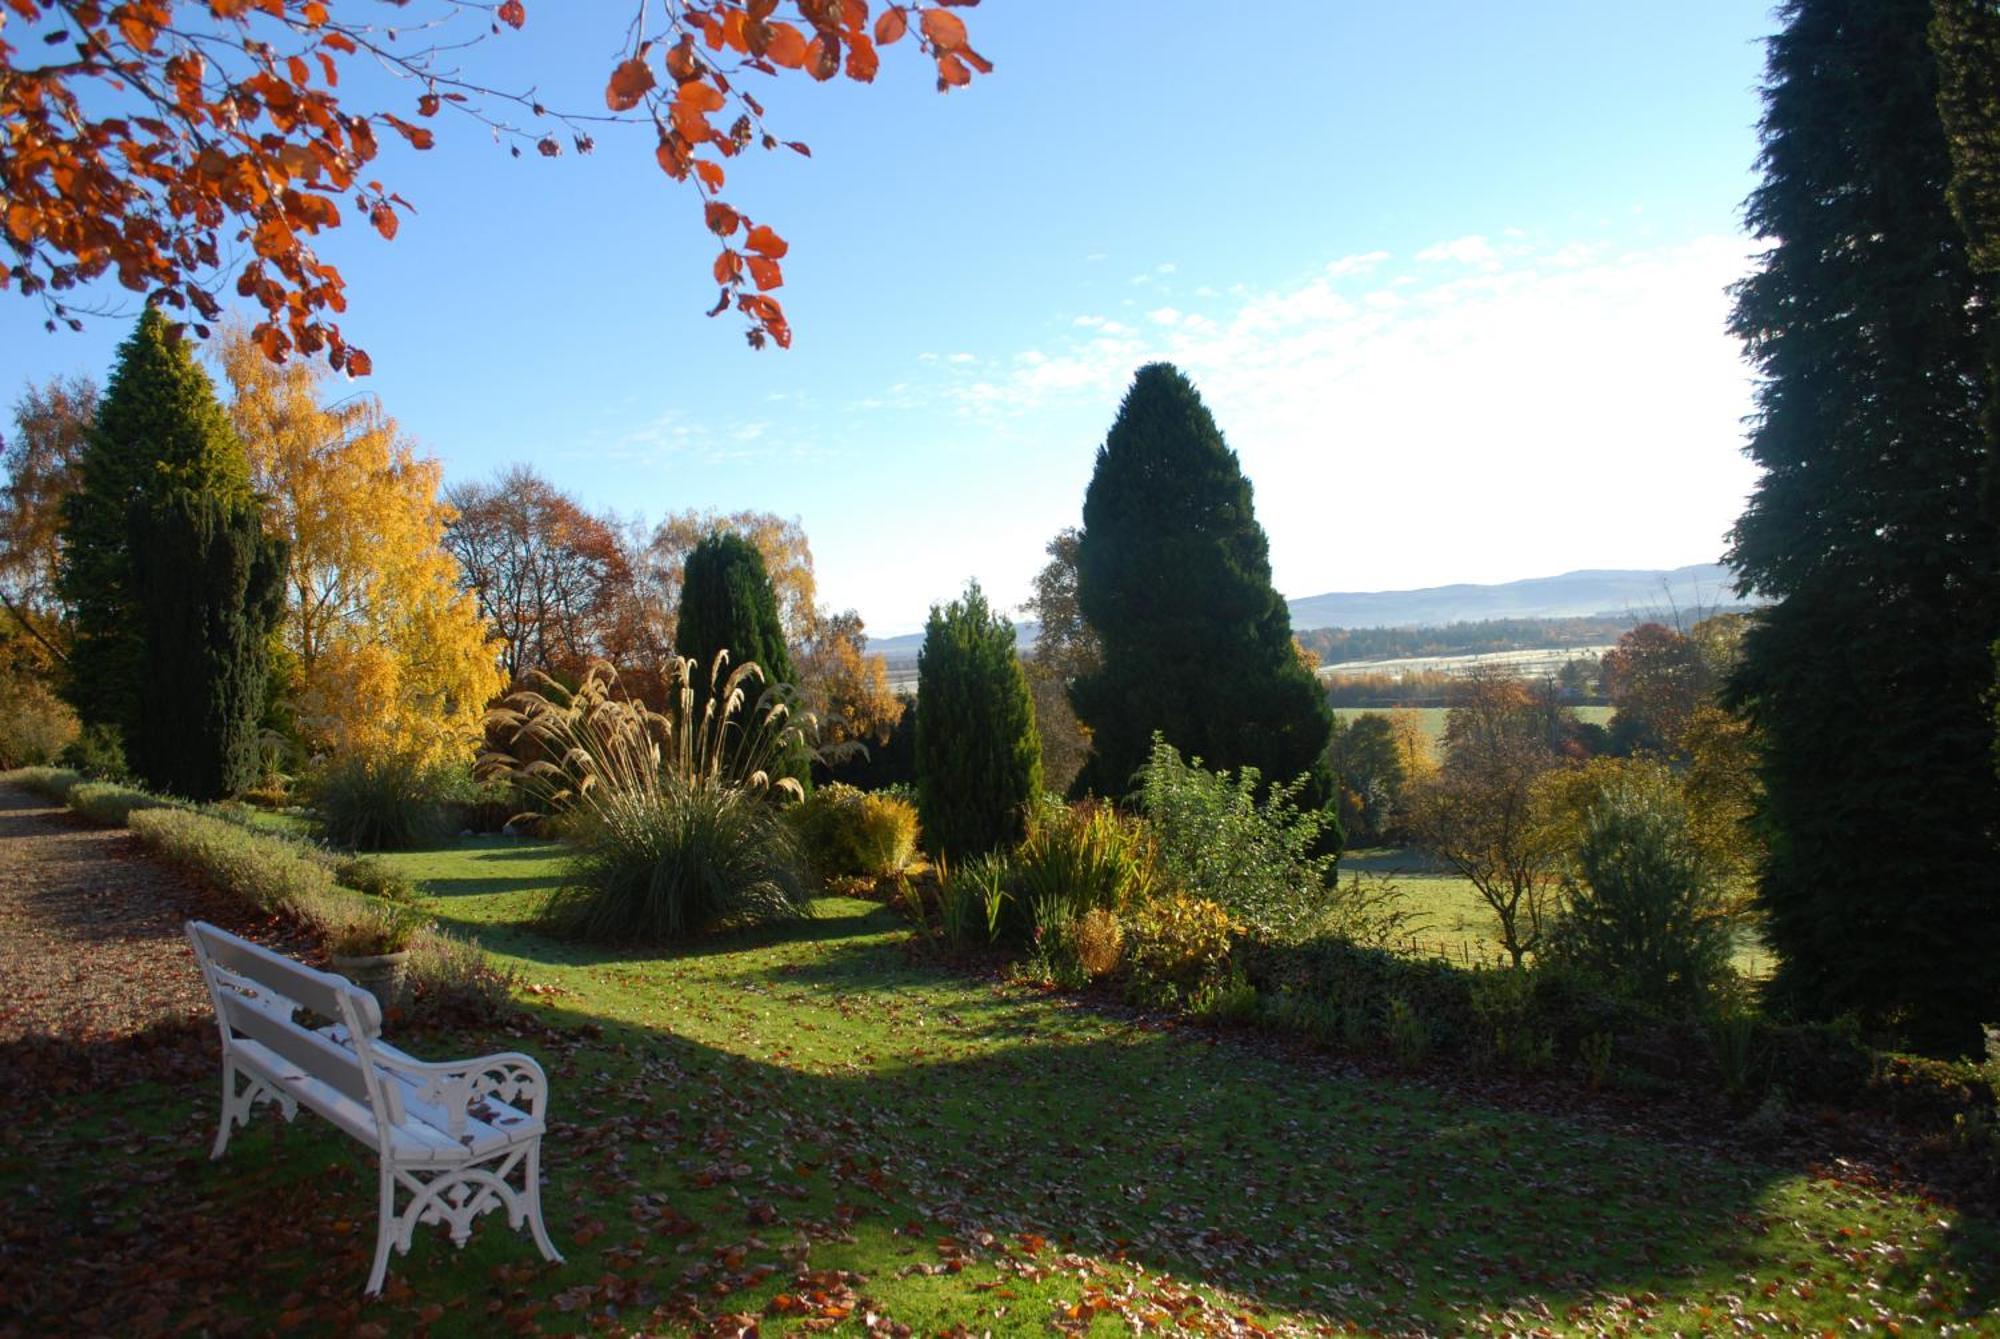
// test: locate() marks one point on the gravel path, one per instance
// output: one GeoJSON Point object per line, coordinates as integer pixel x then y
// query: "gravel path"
{"type": "Point", "coordinates": [91, 948]}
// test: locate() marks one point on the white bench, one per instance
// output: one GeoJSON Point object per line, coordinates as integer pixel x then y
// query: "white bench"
{"type": "Point", "coordinates": [459, 1139]}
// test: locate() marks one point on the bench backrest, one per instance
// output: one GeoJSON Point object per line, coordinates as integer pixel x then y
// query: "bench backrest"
{"type": "Point", "coordinates": [257, 993]}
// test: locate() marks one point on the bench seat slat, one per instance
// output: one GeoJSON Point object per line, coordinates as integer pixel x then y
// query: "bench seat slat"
{"type": "Point", "coordinates": [306, 1051]}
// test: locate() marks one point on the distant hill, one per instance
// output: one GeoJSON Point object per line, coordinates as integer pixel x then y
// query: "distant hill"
{"type": "Point", "coordinates": [1637, 595]}
{"type": "Point", "coordinates": [1627, 595]}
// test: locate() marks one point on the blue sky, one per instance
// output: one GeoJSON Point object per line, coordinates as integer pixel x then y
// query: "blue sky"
{"type": "Point", "coordinates": [1450, 275]}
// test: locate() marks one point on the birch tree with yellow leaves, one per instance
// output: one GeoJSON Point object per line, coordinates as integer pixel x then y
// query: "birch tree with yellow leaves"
{"type": "Point", "coordinates": [388, 654]}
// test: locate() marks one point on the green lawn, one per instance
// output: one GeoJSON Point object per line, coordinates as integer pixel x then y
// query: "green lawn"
{"type": "Point", "coordinates": [823, 1123]}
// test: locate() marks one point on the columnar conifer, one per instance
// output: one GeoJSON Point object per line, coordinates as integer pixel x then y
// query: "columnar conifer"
{"type": "Point", "coordinates": [1869, 674]}
{"type": "Point", "coordinates": [168, 575]}
{"type": "Point", "coordinates": [979, 759]}
{"type": "Point", "coordinates": [727, 603]}
{"type": "Point", "coordinates": [1174, 577]}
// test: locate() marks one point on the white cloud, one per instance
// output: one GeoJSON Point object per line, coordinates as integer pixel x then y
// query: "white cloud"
{"type": "Point", "coordinates": [1473, 250]}
{"type": "Point", "coordinates": [1479, 413]}
{"type": "Point", "coordinates": [1167, 267]}
{"type": "Point", "coordinates": [961, 359]}
{"type": "Point", "coordinates": [1361, 264]}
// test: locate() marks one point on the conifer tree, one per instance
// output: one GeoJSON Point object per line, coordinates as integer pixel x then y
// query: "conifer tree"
{"type": "Point", "coordinates": [979, 760]}
{"type": "Point", "coordinates": [1868, 675]}
{"type": "Point", "coordinates": [1174, 577]}
{"type": "Point", "coordinates": [167, 573]}
{"type": "Point", "coordinates": [728, 603]}
{"type": "Point", "coordinates": [211, 591]}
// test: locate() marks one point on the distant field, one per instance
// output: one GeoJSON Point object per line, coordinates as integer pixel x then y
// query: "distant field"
{"type": "Point", "coordinates": [1433, 717]}
{"type": "Point", "coordinates": [1453, 922]}
{"type": "Point", "coordinates": [1528, 664]}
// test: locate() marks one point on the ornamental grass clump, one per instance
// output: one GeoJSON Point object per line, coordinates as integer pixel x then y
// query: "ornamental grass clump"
{"type": "Point", "coordinates": [1078, 859]}
{"type": "Point", "coordinates": [674, 817]}
{"type": "Point", "coordinates": [386, 801]}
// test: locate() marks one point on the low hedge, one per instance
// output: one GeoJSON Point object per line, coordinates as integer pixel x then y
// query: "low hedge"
{"type": "Point", "coordinates": [54, 783]}
{"type": "Point", "coordinates": [1334, 989]}
{"type": "Point", "coordinates": [271, 875]}
{"type": "Point", "coordinates": [113, 805]}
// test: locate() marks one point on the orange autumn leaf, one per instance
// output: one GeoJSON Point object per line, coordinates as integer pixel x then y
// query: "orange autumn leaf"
{"type": "Point", "coordinates": [165, 149]}
{"type": "Point", "coordinates": [721, 219]}
{"type": "Point", "coordinates": [630, 82]}
{"type": "Point", "coordinates": [787, 46]}
{"type": "Point", "coordinates": [766, 243]}
{"type": "Point", "coordinates": [945, 30]}
{"type": "Point", "coordinates": [701, 96]}
{"type": "Point", "coordinates": [766, 272]}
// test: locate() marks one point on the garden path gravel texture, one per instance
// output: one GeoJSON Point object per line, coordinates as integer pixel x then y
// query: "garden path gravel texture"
{"type": "Point", "coordinates": [92, 953]}
{"type": "Point", "coordinates": [91, 947]}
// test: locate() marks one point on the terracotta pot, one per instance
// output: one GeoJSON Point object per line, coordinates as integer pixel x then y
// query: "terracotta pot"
{"type": "Point", "coordinates": [385, 975]}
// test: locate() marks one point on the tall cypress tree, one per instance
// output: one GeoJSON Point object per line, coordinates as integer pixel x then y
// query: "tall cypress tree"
{"type": "Point", "coordinates": [1869, 672]}
{"type": "Point", "coordinates": [1174, 577]}
{"type": "Point", "coordinates": [171, 635]}
{"type": "Point", "coordinates": [979, 759]}
{"type": "Point", "coordinates": [211, 589]}
{"type": "Point", "coordinates": [728, 603]}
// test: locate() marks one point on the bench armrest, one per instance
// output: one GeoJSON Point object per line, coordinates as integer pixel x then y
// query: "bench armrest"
{"type": "Point", "coordinates": [459, 1087]}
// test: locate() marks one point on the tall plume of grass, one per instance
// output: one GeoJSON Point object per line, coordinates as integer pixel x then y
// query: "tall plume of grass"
{"type": "Point", "coordinates": [673, 814]}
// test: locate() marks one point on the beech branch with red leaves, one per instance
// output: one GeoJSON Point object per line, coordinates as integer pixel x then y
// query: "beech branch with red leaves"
{"type": "Point", "coordinates": [177, 143]}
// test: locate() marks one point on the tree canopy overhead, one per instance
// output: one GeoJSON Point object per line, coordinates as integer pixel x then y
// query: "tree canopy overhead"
{"type": "Point", "coordinates": [155, 140]}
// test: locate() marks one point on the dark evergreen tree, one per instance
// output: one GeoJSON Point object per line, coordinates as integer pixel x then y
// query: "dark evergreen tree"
{"type": "Point", "coordinates": [1868, 675]}
{"type": "Point", "coordinates": [210, 585]}
{"type": "Point", "coordinates": [979, 760]}
{"type": "Point", "coordinates": [172, 585]}
{"type": "Point", "coordinates": [1174, 577]}
{"type": "Point", "coordinates": [158, 419]}
{"type": "Point", "coordinates": [727, 603]}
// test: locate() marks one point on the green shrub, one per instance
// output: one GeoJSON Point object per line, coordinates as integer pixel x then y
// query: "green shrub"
{"type": "Point", "coordinates": [113, 805]}
{"type": "Point", "coordinates": [1408, 1033]}
{"type": "Point", "coordinates": [1176, 947]}
{"type": "Point", "coordinates": [1260, 860]}
{"type": "Point", "coordinates": [376, 878]}
{"type": "Point", "coordinates": [1644, 910]}
{"type": "Point", "coordinates": [384, 802]}
{"type": "Point", "coordinates": [1077, 859]}
{"type": "Point", "coordinates": [454, 982]}
{"type": "Point", "coordinates": [270, 875]}
{"type": "Point", "coordinates": [35, 724]}
{"type": "Point", "coordinates": [845, 832]}
{"type": "Point", "coordinates": [979, 758]}
{"type": "Point", "coordinates": [98, 752]}
{"type": "Point", "coordinates": [974, 899]}
{"type": "Point", "coordinates": [1511, 1027]}
{"type": "Point", "coordinates": [53, 783]}
{"type": "Point", "coordinates": [1360, 982]}
{"type": "Point", "coordinates": [377, 929]}
{"type": "Point", "coordinates": [1933, 1092]}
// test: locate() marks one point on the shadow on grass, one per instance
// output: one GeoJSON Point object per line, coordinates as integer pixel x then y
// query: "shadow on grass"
{"type": "Point", "coordinates": [534, 944]}
{"type": "Point", "coordinates": [1380, 1204]}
